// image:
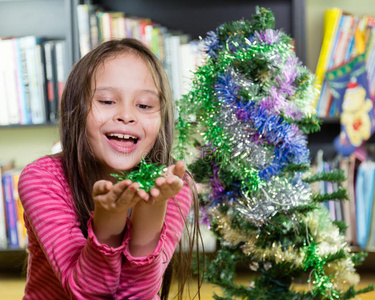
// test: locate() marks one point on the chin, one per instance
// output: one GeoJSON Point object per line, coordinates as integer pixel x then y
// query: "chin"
{"type": "Point", "coordinates": [125, 165]}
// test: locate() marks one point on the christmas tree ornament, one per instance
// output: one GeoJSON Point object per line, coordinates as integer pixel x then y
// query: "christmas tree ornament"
{"type": "Point", "coordinates": [252, 104]}
{"type": "Point", "coordinates": [352, 101]}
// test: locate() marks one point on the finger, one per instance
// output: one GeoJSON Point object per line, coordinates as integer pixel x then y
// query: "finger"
{"type": "Point", "coordinates": [155, 192]}
{"type": "Point", "coordinates": [129, 195]}
{"type": "Point", "coordinates": [143, 194]}
{"type": "Point", "coordinates": [179, 169]}
{"type": "Point", "coordinates": [132, 189]}
{"type": "Point", "coordinates": [101, 187]}
{"type": "Point", "coordinates": [160, 181]}
{"type": "Point", "coordinates": [170, 180]}
{"type": "Point", "coordinates": [120, 187]}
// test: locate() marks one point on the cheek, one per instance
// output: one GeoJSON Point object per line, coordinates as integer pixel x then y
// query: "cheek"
{"type": "Point", "coordinates": [93, 125]}
{"type": "Point", "coordinates": [156, 126]}
{"type": "Point", "coordinates": [96, 115]}
{"type": "Point", "coordinates": [152, 130]}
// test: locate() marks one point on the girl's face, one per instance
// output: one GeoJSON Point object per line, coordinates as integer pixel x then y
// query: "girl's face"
{"type": "Point", "coordinates": [125, 120]}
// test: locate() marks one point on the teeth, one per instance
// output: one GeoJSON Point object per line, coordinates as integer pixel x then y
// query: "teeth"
{"type": "Point", "coordinates": [123, 136]}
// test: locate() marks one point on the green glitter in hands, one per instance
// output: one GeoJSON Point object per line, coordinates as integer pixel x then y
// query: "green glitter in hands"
{"type": "Point", "coordinates": [145, 175]}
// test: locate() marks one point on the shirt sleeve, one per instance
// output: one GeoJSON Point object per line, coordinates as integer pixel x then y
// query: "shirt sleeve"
{"type": "Point", "coordinates": [85, 268]}
{"type": "Point", "coordinates": [141, 277]}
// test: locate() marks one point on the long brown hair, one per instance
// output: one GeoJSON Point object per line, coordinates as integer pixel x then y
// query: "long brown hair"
{"type": "Point", "coordinates": [80, 165]}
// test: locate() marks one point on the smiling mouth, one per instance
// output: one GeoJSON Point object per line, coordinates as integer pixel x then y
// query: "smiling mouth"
{"type": "Point", "coordinates": [118, 137]}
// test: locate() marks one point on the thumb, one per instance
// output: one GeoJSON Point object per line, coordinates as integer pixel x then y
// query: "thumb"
{"type": "Point", "coordinates": [179, 169]}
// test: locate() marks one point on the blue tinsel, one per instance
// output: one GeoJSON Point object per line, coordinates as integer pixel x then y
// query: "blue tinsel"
{"type": "Point", "coordinates": [290, 144]}
{"type": "Point", "coordinates": [212, 44]}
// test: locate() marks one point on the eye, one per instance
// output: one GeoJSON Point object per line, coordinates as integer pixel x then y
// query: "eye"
{"type": "Point", "coordinates": [106, 102]}
{"type": "Point", "coordinates": [144, 106]}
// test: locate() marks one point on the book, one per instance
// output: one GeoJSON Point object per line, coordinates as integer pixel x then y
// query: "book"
{"type": "Point", "coordinates": [22, 84]}
{"type": "Point", "coordinates": [9, 80]}
{"type": "Point", "coordinates": [331, 22]}
{"type": "Point", "coordinates": [167, 55]}
{"type": "Point", "coordinates": [109, 25]}
{"type": "Point", "coordinates": [118, 25]}
{"type": "Point", "coordinates": [173, 44]}
{"type": "Point", "coordinates": [325, 97]}
{"type": "Point", "coordinates": [61, 72]}
{"type": "Point", "coordinates": [346, 209]}
{"type": "Point", "coordinates": [94, 25]}
{"type": "Point", "coordinates": [37, 99]}
{"type": "Point", "coordinates": [10, 208]}
{"type": "Point", "coordinates": [191, 58]}
{"type": "Point", "coordinates": [21, 229]}
{"type": "Point", "coordinates": [4, 166]}
{"type": "Point", "coordinates": [343, 39]}
{"type": "Point", "coordinates": [371, 236]}
{"type": "Point", "coordinates": [42, 81]}
{"type": "Point", "coordinates": [353, 167]}
{"type": "Point", "coordinates": [51, 81]}
{"type": "Point", "coordinates": [364, 201]}
{"type": "Point", "coordinates": [331, 204]}
{"type": "Point", "coordinates": [353, 38]}
{"type": "Point", "coordinates": [83, 20]}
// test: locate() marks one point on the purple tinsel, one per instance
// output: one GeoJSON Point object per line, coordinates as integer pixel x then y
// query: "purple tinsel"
{"type": "Point", "coordinates": [216, 184]}
{"type": "Point", "coordinates": [268, 36]}
{"type": "Point", "coordinates": [287, 78]}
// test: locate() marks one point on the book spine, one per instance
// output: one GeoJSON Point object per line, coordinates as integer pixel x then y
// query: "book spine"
{"type": "Point", "coordinates": [25, 82]}
{"type": "Point", "coordinates": [94, 26]}
{"type": "Point", "coordinates": [10, 208]}
{"type": "Point", "coordinates": [60, 67]}
{"type": "Point", "coordinates": [42, 82]}
{"type": "Point", "coordinates": [21, 229]}
{"type": "Point", "coordinates": [10, 81]}
{"type": "Point", "coordinates": [175, 67]}
{"type": "Point", "coordinates": [51, 81]}
{"type": "Point", "coordinates": [4, 116]}
{"type": "Point", "coordinates": [331, 22]}
{"type": "Point", "coordinates": [3, 226]}
{"type": "Point", "coordinates": [20, 83]}
{"type": "Point", "coordinates": [36, 100]}
{"type": "Point", "coordinates": [83, 28]}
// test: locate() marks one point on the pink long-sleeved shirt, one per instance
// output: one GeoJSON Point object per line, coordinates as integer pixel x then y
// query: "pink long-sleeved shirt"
{"type": "Point", "coordinates": [63, 264]}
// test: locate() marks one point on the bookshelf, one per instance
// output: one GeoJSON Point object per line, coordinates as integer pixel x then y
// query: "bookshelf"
{"type": "Point", "coordinates": [57, 19]}
{"type": "Point", "coordinates": [197, 17]}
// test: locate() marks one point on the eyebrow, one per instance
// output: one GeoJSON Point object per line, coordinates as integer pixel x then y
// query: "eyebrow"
{"type": "Point", "coordinates": [104, 88]}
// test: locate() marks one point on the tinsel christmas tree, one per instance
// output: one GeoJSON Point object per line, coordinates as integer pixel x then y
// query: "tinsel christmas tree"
{"type": "Point", "coordinates": [252, 104]}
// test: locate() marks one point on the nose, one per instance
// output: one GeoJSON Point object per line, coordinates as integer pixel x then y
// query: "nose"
{"type": "Point", "coordinates": [126, 115]}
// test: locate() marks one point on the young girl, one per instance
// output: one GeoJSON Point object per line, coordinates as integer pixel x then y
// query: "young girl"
{"type": "Point", "coordinates": [89, 236]}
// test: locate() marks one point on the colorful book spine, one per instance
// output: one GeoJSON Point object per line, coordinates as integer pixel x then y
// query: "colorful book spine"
{"type": "Point", "coordinates": [331, 23]}
{"type": "Point", "coordinates": [21, 229]}
{"type": "Point", "coordinates": [11, 209]}
{"type": "Point", "coordinates": [3, 225]}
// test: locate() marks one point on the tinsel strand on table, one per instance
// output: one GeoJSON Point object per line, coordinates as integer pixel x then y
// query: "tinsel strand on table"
{"type": "Point", "coordinates": [251, 101]}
